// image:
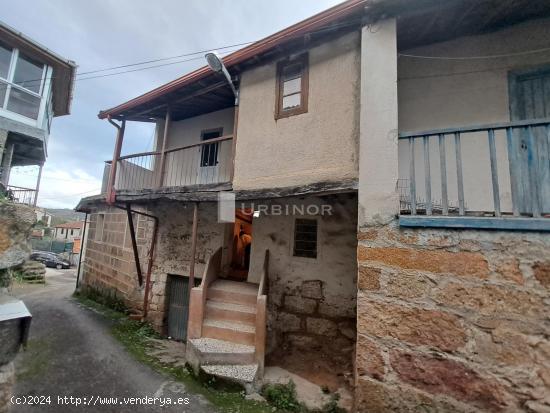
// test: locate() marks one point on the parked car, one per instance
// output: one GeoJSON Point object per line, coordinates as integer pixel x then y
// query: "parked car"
{"type": "Point", "coordinates": [49, 259]}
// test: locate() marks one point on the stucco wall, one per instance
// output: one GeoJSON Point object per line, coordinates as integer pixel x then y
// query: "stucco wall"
{"type": "Point", "coordinates": [320, 145]}
{"type": "Point", "coordinates": [436, 94]}
{"type": "Point", "coordinates": [310, 299]}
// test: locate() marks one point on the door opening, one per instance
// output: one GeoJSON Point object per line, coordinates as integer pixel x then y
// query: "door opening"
{"type": "Point", "coordinates": [242, 245]}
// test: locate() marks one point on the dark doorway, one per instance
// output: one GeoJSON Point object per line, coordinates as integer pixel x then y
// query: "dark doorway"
{"type": "Point", "coordinates": [242, 244]}
{"type": "Point", "coordinates": [177, 288]}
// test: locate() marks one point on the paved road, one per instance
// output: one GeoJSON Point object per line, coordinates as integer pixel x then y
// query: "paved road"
{"type": "Point", "coordinates": [71, 353]}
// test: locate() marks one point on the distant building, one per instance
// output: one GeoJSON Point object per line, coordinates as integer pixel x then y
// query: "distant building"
{"type": "Point", "coordinates": [42, 215]}
{"type": "Point", "coordinates": [68, 231]}
{"type": "Point", "coordinates": [35, 86]}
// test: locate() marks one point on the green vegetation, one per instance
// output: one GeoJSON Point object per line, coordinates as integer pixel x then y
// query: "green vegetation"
{"type": "Point", "coordinates": [137, 339]}
{"type": "Point", "coordinates": [283, 397]}
{"type": "Point", "coordinates": [36, 361]}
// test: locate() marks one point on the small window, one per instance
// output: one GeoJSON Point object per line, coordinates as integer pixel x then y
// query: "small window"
{"type": "Point", "coordinates": [305, 238]}
{"type": "Point", "coordinates": [292, 87]}
{"type": "Point", "coordinates": [100, 222]}
{"type": "Point", "coordinates": [28, 73]}
{"type": "Point", "coordinates": [5, 61]}
{"type": "Point", "coordinates": [209, 153]}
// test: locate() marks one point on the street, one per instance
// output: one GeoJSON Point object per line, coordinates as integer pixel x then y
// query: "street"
{"type": "Point", "coordinates": [71, 353]}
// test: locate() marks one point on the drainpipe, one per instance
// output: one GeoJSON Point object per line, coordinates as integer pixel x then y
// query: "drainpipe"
{"type": "Point", "coordinates": [82, 242]}
{"type": "Point", "coordinates": [111, 195]}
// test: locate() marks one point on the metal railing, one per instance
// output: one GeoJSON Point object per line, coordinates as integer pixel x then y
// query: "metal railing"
{"type": "Point", "coordinates": [21, 195]}
{"type": "Point", "coordinates": [494, 170]}
{"type": "Point", "coordinates": [208, 162]}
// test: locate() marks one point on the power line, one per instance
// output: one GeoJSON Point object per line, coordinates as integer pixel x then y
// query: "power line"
{"type": "Point", "coordinates": [495, 56]}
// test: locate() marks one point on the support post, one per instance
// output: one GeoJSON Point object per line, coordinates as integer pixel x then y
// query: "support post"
{"type": "Point", "coordinates": [234, 141]}
{"type": "Point", "coordinates": [37, 188]}
{"type": "Point", "coordinates": [167, 122]}
{"type": "Point", "coordinates": [82, 242]}
{"type": "Point", "coordinates": [193, 247]}
{"type": "Point", "coordinates": [111, 195]}
{"type": "Point", "coordinates": [149, 267]}
{"type": "Point", "coordinates": [6, 164]}
{"type": "Point", "coordinates": [134, 243]}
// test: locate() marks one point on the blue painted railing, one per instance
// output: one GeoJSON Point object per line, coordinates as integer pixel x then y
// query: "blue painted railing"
{"type": "Point", "coordinates": [527, 155]}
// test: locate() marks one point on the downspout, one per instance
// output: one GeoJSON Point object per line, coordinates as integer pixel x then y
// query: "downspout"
{"type": "Point", "coordinates": [82, 242]}
{"type": "Point", "coordinates": [111, 194]}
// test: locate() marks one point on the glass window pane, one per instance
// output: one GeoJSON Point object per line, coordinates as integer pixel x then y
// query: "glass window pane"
{"type": "Point", "coordinates": [23, 103]}
{"type": "Point", "coordinates": [292, 86]}
{"type": "Point", "coordinates": [5, 59]}
{"type": "Point", "coordinates": [3, 89]}
{"type": "Point", "coordinates": [292, 71]}
{"type": "Point", "coordinates": [28, 73]}
{"type": "Point", "coordinates": [291, 101]}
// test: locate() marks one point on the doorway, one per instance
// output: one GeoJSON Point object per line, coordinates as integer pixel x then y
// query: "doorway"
{"type": "Point", "coordinates": [208, 167]}
{"type": "Point", "coordinates": [241, 245]}
{"type": "Point", "coordinates": [178, 306]}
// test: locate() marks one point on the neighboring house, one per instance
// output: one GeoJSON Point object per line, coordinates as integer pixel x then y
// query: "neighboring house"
{"type": "Point", "coordinates": [68, 231]}
{"type": "Point", "coordinates": [43, 216]}
{"type": "Point", "coordinates": [36, 85]}
{"type": "Point", "coordinates": [390, 164]}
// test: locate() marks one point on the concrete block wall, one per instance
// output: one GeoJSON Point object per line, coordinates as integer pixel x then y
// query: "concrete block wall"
{"type": "Point", "coordinates": [452, 320]}
{"type": "Point", "coordinates": [109, 265]}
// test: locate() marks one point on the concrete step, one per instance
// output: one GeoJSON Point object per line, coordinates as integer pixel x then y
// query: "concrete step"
{"type": "Point", "coordinates": [233, 292]}
{"type": "Point", "coordinates": [242, 374]}
{"type": "Point", "coordinates": [239, 333]}
{"type": "Point", "coordinates": [213, 351]}
{"type": "Point", "coordinates": [219, 310]}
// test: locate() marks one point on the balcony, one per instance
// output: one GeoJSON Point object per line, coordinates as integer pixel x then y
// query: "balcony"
{"type": "Point", "coordinates": [20, 195]}
{"type": "Point", "coordinates": [191, 167]}
{"type": "Point", "coordinates": [489, 176]}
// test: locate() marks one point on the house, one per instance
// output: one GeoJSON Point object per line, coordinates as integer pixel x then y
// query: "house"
{"type": "Point", "coordinates": [43, 216]}
{"type": "Point", "coordinates": [68, 231]}
{"type": "Point", "coordinates": [388, 161]}
{"type": "Point", "coordinates": [36, 85]}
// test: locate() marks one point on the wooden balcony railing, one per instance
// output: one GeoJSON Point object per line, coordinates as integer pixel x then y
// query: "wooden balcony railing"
{"type": "Point", "coordinates": [208, 162]}
{"type": "Point", "coordinates": [489, 171]}
{"type": "Point", "coordinates": [21, 195]}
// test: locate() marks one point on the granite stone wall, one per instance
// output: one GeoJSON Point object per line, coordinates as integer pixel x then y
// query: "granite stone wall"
{"type": "Point", "coordinates": [452, 320]}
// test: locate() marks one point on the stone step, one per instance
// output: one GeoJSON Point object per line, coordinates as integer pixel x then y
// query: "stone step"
{"type": "Point", "coordinates": [233, 292]}
{"type": "Point", "coordinates": [242, 374]}
{"type": "Point", "coordinates": [213, 351]}
{"type": "Point", "coordinates": [219, 310]}
{"type": "Point", "coordinates": [232, 331]}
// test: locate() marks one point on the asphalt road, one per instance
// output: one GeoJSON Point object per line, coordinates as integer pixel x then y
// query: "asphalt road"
{"type": "Point", "coordinates": [71, 353]}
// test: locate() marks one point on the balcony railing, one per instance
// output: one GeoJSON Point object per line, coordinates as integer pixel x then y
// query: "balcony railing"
{"type": "Point", "coordinates": [498, 171]}
{"type": "Point", "coordinates": [21, 195]}
{"type": "Point", "coordinates": [204, 163]}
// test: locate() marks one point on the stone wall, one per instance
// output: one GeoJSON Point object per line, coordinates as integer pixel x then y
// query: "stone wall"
{"type": "Point", "coordinates": [109, 265]}
{"type": "Point", "coordinates": [452, 320]}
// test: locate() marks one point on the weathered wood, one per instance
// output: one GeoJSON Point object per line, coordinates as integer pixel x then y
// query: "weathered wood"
{"type": "Point", "coordinates": [532, 165]}
{"type": "Point", "coordinates": [193, 247]}
{"type": "Point", "coordinates": [412, 176]}
{"type": "Point", "coordinates": [443, 169]}
{"type": "Point", "coordinates": [514, 165]}
{"type": "Point", "coordinates": [459, 178]}
{"type": "Point", "coordinates": [134, 243]}
{"type": "Point", "coordinates": [500, 223]}
{"type": "Point", "coordinates": [427, 175]}
{"type": "Point", "coordinates": [494, 171]}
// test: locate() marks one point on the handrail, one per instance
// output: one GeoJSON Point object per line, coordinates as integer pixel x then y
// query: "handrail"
{"type": "Point", "coordinates": [20, 188]}
{"type": "Point", "coordinates": [198, 295]}
{"type": "Point", "coordinates": [261, 288]}
{"type": "Point", "coordinates": [206, 142]}
{"type": "Point", "coordinates": [135, 155]}
{"type": "Point", "coordinates": [477, 128]}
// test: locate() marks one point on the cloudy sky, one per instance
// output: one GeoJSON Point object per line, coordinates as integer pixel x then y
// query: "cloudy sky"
{"type": "Point", "coordinates": [102, 34]}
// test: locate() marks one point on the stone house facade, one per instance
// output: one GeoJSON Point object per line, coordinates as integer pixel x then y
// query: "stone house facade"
{"type": "Point", "coordinates": [426, 287]}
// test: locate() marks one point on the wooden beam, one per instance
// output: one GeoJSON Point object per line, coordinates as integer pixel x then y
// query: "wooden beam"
{"type": "Point", "coordinates": [134, 243]}
{"type": "Point", "coordinates": [167, 121]}
{"type": "Point", "coordinates": [193, 247]}
{"type": "Point", "coordinates": [111, 195]}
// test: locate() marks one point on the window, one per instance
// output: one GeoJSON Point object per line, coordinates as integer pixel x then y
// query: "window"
{"type": "Point", "coordinates": [209, 153]}
{"type": "Point", "coordinates": [305, 238]}
{"type": "Point", "coordinates": [28, 73]}
{"type": "Point", "coordinates": [292, 87]}
{"type": "Point", "coordinates": [100, 222]}
{"type": "Point", "coordinates": [5, 61]}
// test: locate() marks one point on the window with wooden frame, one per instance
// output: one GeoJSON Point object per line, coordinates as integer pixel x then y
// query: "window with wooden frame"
{"type": "Point", "coordinates": [292, 86]}
{"type": "Point", "coordinates": [305, 238]}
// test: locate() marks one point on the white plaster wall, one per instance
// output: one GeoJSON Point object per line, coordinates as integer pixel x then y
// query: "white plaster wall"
{"type": "Point", "coordinates": [336, 264]}
{"type": "Point", "coordinates": [320, 145]}
{"type": "Point", "coordinates": [182, 167]}
{"type": "Point", "coordinates": [437, 94]}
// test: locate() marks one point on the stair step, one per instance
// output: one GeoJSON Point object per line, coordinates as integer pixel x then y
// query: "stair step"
{"type": "Point", "coordinates": [219, 310]}
{"type": "Point", "coordinates": [232, 331]}
{"type": "Point", "coordinates": [213, 351]}
{"type": "Point", "coordinates": [244, 374]}
{"type": "Point", "coordinates": [233, 292]}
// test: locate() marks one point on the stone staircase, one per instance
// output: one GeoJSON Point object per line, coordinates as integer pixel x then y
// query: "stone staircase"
{"type": "Point", "coordinates": [226, 348]}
